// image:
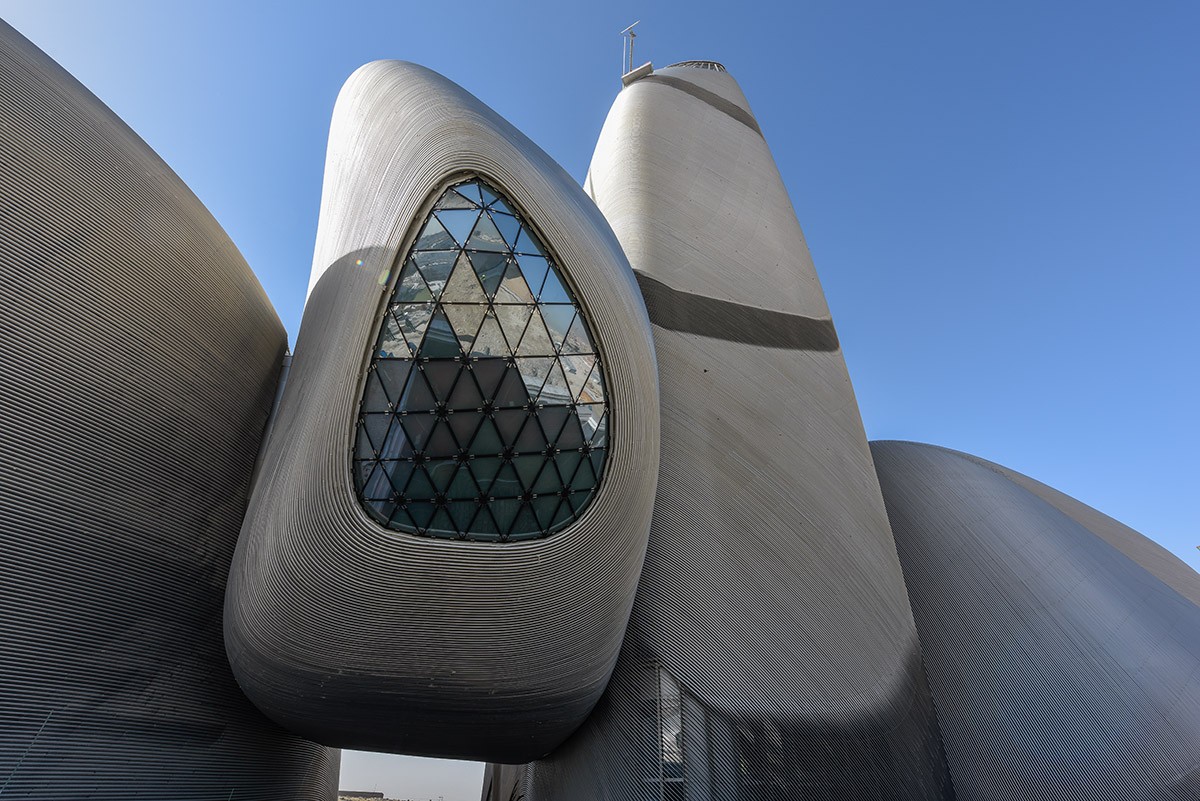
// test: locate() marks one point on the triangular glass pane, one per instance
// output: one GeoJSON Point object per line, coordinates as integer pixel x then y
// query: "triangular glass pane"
{"type": "Point", "coordinates": [440, 340]}
{"type": "Point", "coordinates": [577, 370]}
{"type": "Point", "coordinates": [553, 290]}
{"type": "Point", "coordinates": [376, 426]}
{"type": "Point", "coordinates": [531, 440]}
{"type": "Point", "coordinates": [383, 511]}
{"type": "Point", "coordinates": [435, 267]}
{"type": "Point", "coordinates": [513, 288]}
{"type": "Point", "coordinates": [417, 397]}
{"type": "Point", "coordinates": [489, 267]}
{"type": "Point", "coordinates": [544, 509]}
{"type": "Point", "coordinates": [470, 191]}
{"type": "Point", "coordinates": [374, 398]}
{"type": "Point", "coordinates": [548, 481]}
{"type": "Point", "coordinates": [377, 486]}
{"type": "Point", "coordinates": [589, 418]}
{"type": "Point", "coordinates": [570, 436]}
{"type": "Point", "coordinates": [410, 288]}
{"type": "Point", "coordinates": [485, 470]}
{"type": "Point", "coordinates": [505, 485]}
{"type": "Point", "coordinates": [552, 419]}
{"type": "Point", "coordinates": [511, 392]}
{"type": "Point", "coordinates": [593, 388]}
{"type": "Point", "coordinates": [584, 479]}
{"type": "Point", "coordinates": [512, 322]}
{"type": "Point", "coordinates": [597, 459]}
{"type": "Point", "coordinates": [489, 373]}
{"type": "Point", "coordinates": [465, 318]}
{"type": "Point", "coordinates": [463, 287]}
{"type": "Point", "coordinates": [399, 472]}
{"type": "Point", "coordinates": [393, 373]}
{"type": "Point", "coordinates": [508, 425]}
{"type": "Point", "coordinates": [555, 390]}
{"type": "Point", "coordinates": [504, 512]}
{"type": "Point", "coordinates": [441, 473]}
{"type": "Point", "coordinates": [600, 438]}
{"type": "Point", "coordinates": [441, 442]}
{"type": "Point", "coordinates": [364, 450]}
{"type": "Point", "coordinates": [567, 463]}
{"type": "Point", "coordinates": [528, 242]}
{"type": "Point", "coordinates": [421, 514]}
{"type": "Point", "coordinates": [396, 446]}
{"type": "Point", "coordinates": [488, 195]}
{"type": "Point", "coordinates": [489, 341]}
{"type": "Point", "coordinates": [363, 467]}
{"type": "Point", "coordinates": [462, 513]}
{"type": "Point", "coordinates": [499, 205]}
{"type": "Point", "coordinates": [534, 269]}
{"type": "Point", "coordinates": [535, 342]}
{"type": "Point", "coordinates": [577, 339]}
{"type": "Point", "coordinates": [558, 318]}
{"type": "Point", "coordinates": [391, 344]}
{"type": "Point", "coordinates": [525, 526]}
{"type": "Point", "coordinates": [463, 486]}
{"type": "Point", "coordinates": [528, 468]}
{"type": "Point", "coordinates": [419, 427]}
{"type": "Point", "coordinates": [486, 237]}
{"type": "Point", "coordinates": [442, 524]}
{"type": "Point", "coordinates": [413, 319]}
{"type": "Point", "coordinates": [563, 516]}
{"type": "Point", "coordinates": [483, 527]}
{"type": "Point", "coordinates": [459, 223]}
{"type": "Point", "coordinates": [419, 487]}
{"type": "Point", "coordinates": [434, 237]}
{"type": "Point", "coordinates": [441, 376]}
{"type": "Point", "coordinates": [453, 200]}
{"type": "Point", "coordinates": [464, 423]}
{"type": "Point", "coordinates": [487, 440]}
{"type": "Point", "coordinates": [507, 225]}
{"type": "Point", "coordinates": [580, 500]}
{"type": "Point", "coordinates": [533, 374]}
{"type": "Point", "coordinates": [465, 394]}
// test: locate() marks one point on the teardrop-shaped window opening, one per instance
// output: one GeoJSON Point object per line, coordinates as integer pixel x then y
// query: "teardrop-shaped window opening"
{"type": "Point", "coordinates": [485, 367]}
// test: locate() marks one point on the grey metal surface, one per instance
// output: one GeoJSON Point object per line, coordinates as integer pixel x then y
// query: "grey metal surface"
{"type": "Point", "coordinates": [1062, 647]}
{"type": "Point", "coordinates": [138, 357]}
{"type": "Point", "coordinates": [771, 653]}
{"type": "Point", "coordinates": [362, 637]}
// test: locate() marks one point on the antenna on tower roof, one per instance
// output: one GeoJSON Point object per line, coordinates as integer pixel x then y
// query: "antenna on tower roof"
{"type": "Point", "coordinates": [627, 37]}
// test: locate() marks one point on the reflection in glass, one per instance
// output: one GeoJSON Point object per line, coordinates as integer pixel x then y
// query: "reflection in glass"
{"type": "Point", "coordinates": [483, 413]}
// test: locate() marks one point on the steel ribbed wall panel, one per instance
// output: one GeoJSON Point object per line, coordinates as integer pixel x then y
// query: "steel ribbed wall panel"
{"type": "Point", "coordinates": [1064, 664]}
{"type": "Point", "coordinates": [359, 636]}
{"type": "Point", "coordinates": [771, 612]}
{"type": "Point", "coordinates": [138, 356]}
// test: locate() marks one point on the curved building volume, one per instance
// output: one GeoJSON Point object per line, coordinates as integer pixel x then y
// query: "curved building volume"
{"type": "Point", "coordinates": [1063, 648]}
{"type": "Point", "coordinates": [135, 344]}
{"type": "Point", "coordinates": [771, 652]}
{"type": "Point", "coordinates": [443, 551]}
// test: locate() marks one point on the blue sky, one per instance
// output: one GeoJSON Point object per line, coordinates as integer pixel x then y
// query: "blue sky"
{"type": "Point", "coordinates": [1001, 198]}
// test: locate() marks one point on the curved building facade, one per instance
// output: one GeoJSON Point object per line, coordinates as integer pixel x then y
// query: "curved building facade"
{"type": "Point", "coordinates": [1063, 648]}
{"type": "Point", "coordinates": [771, 653]}
{"type": "Point", "coordinates": [135, 344]}
{"type": "Point", "coordinates": [443, 551]}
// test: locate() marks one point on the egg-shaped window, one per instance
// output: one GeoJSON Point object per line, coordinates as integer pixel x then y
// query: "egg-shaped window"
{"type": "Point", "coordinates": [483, 414]}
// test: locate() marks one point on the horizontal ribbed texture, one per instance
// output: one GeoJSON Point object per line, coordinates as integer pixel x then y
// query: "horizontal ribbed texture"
{"type": "Point", "coordinates": [771, 653]}
{"type": "Point", "coordinates": [1064, 666]}
{"type": "Point", "coordinates": [138, 357]}
{"type": "Point", "coordinates": [362, 637]}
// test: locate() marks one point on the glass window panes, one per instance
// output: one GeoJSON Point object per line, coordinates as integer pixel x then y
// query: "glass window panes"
{"type": "Point", "coordinates": [483, 414]}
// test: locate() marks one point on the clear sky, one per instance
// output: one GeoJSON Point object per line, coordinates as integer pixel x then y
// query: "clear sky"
{"type": "Point", "coordinates": [1002, 198]}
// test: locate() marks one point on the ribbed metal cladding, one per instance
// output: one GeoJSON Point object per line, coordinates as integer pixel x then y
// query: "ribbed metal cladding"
{"type": "Point", "coordinates": [138, 357]}
{"type": "Point", "coordinates": [1062, 647]}
{"type": "Point", "coordinates": [362, 637]}
{"type": "Point", "coordinates": [771, 652]}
